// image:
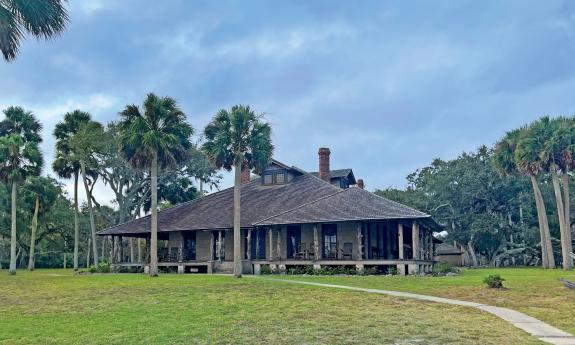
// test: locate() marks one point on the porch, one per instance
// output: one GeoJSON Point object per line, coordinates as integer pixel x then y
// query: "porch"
{"type": "Point", "coordinates": [404, 244]}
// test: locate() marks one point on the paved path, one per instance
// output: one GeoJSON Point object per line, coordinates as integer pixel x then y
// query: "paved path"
{"type": "Point", "coordinates": [531, 325]}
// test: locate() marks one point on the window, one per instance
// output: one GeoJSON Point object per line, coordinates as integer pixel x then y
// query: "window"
{"type": "Point", "coordinates": [268, 179]}
{"type": "Point", "coordinates": [329, 232]}
{"type": "Point", "coordinates": [293, 240]}
{"type": "Point", "coordinates": [274, 177]}
{"type": "Point", "coordinates": [343, 183]}
{"type": "Point", "coordinates": [280, 177]}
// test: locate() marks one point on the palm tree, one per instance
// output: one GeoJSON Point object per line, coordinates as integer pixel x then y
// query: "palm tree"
{"type": "Point", "coordinates": [44, 192]}
{"type": "Point", "coordinates": [529, 163]}
{"type": "Point", "coordinates": [505, 160]}
{"type": "Point", "coordinates": [84, 144]}
{"type": "Point", "coordinates": [157, 138]}
{"type": "Point", "coordinates": [239, 139]}
{"type": "Point", "coordinates": [66, 165]}
{"type": "Point", "coordinates": [557, 154]}
{"type": "Point", "coordinates": [43, 19]}
{"type": "Point", "coordinates": [20, 158]}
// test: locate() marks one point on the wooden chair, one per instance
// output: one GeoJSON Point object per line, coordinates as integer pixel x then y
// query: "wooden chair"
{"type": "Point", "coordinates": [347, 251]}
{"type": "Point", "coordinates": [300, 253]}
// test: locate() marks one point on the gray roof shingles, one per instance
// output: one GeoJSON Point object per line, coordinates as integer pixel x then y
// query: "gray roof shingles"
{"type": "Point", "coordinates": [305, 199]}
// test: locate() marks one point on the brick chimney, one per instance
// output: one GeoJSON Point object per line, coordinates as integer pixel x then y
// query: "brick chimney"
{"type": "Point", "coordinates": [324, 164]}
{"type": "Point", "coordinates": [360, 183]}
{"type": "Point", "coordinates": [246, 175]}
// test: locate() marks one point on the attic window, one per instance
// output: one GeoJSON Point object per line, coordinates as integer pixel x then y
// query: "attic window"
{"type": "Point", "coordinates": [268, 179]}
{"type": "Point", "coordinates": [274, 177]}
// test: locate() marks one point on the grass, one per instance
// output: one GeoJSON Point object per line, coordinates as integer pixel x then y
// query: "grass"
{"type": "Point", "coordinates": [55, 307]}
{"type": "Point", "coordinates": [534, 291]}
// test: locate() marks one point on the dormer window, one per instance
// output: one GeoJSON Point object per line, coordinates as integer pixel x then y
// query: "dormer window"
{"type": "Point", "coordinates": [274, 177]}
{"type": "Point", "coordinates": [268, 178]}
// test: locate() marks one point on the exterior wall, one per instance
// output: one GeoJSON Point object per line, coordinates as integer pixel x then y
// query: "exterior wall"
{"type": "Point", "coordinates": [174, 240]}
{"type": "Point", "coordinates": [347, 232]}
{"type": "Point", "coordinates": [203, 242]}
{"type": "Point", "coordinates": [229, 245]}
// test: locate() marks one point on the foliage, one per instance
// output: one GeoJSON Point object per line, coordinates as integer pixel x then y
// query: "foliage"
{"type": "Point", "coordinates": [101, 267]}
{"type": "Point", "coordinates": [42, 19]}
{"type": "Point", "coordinates": [494, 281]}
{"type": "Point", "coordinates": [443, 268]}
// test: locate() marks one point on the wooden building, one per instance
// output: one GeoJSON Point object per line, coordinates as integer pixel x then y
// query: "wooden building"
{"type": "Point", "coordinates": [289, 217]}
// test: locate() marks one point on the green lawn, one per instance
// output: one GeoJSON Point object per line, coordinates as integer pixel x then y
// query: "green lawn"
{"type": "Point", "coordinates": [534, 291]}
{"type": "Point", "coordinates": [55, 307]}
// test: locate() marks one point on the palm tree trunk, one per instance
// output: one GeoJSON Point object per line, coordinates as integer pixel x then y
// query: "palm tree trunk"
{"type": "Point", "coordinates": [76, 222]}
{"type": "Point", "coordinates": [154, 220]}
{"type": "Point", "coordinates": [546, 247]}
{"type": "Point", "coordinates": [561, 214]}
{"type": "Point", "coordinates": [12, 269]}
{"type": "Point", "coordinates": [237, 218]}
{"type": "Point", "coordinates": [567, 213]}
{"type": "Point", "coordinates": [91, 211]}
{"type": "Point", "coordinates": [33, 235]}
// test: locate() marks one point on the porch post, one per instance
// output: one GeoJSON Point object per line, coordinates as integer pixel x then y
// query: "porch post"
{"type": "Point", "coordinates": [120, 249]}
{"type": "Point", "coordinates": [400, 239]}
{"type": "Point", "coordinates": [219, 245]}
{"type": "Point", "coordinates": [359, 245]}
{"type": "Point", "coordinates": [212, 244]}
{"type": "Point", "coordinates": [316, 242]}
{"type": "Point", "coordinates": [181, 248]}
{"type": "Point", "coordinates": [279, 243]}
{"type": "Point", "coordinates": [139, 250]}
{"type": "Point", "coordinates": [270, 244]}
{"type": "Point", "coordinates": [249, 244]}
{"type": "Point", "coordinates": [257, 245]}
{"type": "Point", "coordinates": [415, 240]}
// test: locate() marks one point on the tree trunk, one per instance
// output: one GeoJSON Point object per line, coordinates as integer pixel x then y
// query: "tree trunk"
{"type": "Point", "coordinates": [33, 235]}
{"type": "Point", "coordinates": [567, 213]}
{"type": "Point", "coordinates": [88, 253]}
{"type": "Point", "coordinates": [237, 218]}
{"type": "Point", "coordinates": [546, 247]}
{"type": "Point", "coordinates": [91, 211]}
{"type": "Point", "coordinates": [76, 222]}
{"type": "Point", "coordinates": [472, 255]}
{"type": "Point", "coordinates": [154, 220]}
{"type": "Point", "coordinates": [561, 215]}
{"type": "Point", "coordinates": [12, 270]}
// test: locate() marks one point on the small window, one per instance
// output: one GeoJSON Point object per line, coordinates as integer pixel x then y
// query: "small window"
{"type": "Point", "coordinates": [343, 183]}
{"type": "Point", "coordinates": [268, 179]}
{"type": "Point", "coordinates": [281, 177]}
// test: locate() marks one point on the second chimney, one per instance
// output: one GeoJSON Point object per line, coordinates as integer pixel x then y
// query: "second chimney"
{"type": "Point", "coordinates": [324, 164]}
{"type": "Point", "coordinates": [360, 183]}
{"type": "Point", "coordinates": [246, 175]}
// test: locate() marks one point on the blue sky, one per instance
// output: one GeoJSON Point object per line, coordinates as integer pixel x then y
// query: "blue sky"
{"type": "Point", "coordinates": [387, 85]}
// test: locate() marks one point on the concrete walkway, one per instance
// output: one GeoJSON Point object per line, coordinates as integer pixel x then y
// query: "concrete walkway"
{"type": "Point", "coordinates": [531, 325]}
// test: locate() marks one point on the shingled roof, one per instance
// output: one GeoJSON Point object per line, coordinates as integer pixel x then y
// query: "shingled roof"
{"type": "Point", "coordinates": [305, 199]}
{"type": "Point", "coordinates": [346, 205]}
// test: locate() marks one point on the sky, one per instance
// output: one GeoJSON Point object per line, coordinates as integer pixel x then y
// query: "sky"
{"type": "Point", "coordinates": [387, 85]}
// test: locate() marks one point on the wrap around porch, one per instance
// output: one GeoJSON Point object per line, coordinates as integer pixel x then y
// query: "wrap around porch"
{"type": "Point", "coordinates": [403, 244]}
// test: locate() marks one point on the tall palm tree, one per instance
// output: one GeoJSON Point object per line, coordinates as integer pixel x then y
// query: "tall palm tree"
{"type": "Point", "coordinates": [20, 158]}
{"type": "Point", "coordinates": [557, 154]}
{"type": "Point", "coordinates": [238, 138]}
{"type": "Point", "coordinates": [529, 163]}
{"type": "Point", "coordinates": [66, 165]}
{"type": "Point", "coordinates": [158, 137]}
{"type": "Point", "coordinates": [84, 145]}
{"type": "Point", "coordinates": [43, 19]}
{"type": "Point", "coordinates": [44, 191]}
{"type": "Point", "coordinates": [505, 159]}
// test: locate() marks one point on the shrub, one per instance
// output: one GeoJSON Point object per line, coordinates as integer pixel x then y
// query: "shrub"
{"type": "Point", "coordinates": [442, 268]}
{"type": "Point", "coordinates": [372, 271]}
{"type": "Point", "coordinates": [102, 267]}
{"type": "Point", "coordinates": [494, 281]}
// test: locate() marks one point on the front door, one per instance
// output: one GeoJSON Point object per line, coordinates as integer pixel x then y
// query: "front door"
{"type": "Point", "coordinates": [329, 237]}
{"type": "Point", "coordinates": [293, 240]}
{"type": "Point", "coordinates": [189, 245]}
